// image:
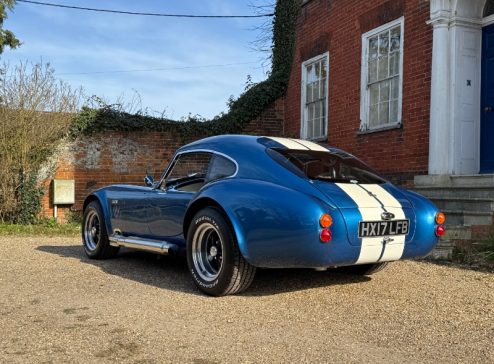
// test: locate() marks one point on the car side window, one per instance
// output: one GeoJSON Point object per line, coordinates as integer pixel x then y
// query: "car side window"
{"type": "Point", "coordinates": [220, 167]}
{"type": "Point", "coordinates": [188, 172]}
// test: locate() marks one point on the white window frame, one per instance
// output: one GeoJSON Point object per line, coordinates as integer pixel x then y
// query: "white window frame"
{"type": "Point", "coordinates": [303, 110]}
{"type": "Point", "coordinates": [365, 91]}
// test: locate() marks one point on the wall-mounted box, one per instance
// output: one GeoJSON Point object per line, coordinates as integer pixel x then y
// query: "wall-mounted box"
{"type": "Point", "coordinates": [63, 192]}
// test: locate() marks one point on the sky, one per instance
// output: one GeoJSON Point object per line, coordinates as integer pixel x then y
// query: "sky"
{"type": "Point", "coordinates": [92, 49]}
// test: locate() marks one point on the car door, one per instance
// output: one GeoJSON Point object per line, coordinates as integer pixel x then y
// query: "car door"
{"type": "Point", "coordinates": [168, 203]}
{"type": "Point", "coordinates": [128, 209]}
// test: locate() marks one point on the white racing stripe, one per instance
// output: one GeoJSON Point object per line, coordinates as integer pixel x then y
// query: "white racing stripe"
{"type": "Point", "coordinates": [371, 210]}
{"type": "Point", "coordinates": [311, 145]}
{"type": "Point", "coordinates": [290, 144]}
{"type": "Point", "coordinates": [299, 144]}
{"type": "Point", "coordinates": [394, 249]}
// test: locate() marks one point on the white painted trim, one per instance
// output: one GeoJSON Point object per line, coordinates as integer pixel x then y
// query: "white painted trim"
{"type": "Point", "coordinates": [488, 21]}
{"type": "Point", "coordinates": [454, 136]}
{"type": "Point", "coordinates": [364, 91]}
{"type": "Point", "coordinates": [303, 113]}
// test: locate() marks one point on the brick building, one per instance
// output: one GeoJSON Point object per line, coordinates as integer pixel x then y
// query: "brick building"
{"type": "Point", "coordinates": [397, 82]}
{"type": "Point", "coordinates": [408, 86]}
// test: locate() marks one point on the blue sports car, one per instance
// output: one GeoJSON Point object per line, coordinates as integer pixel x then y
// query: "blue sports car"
{"type": "Point", "coordinates": [233, 203]}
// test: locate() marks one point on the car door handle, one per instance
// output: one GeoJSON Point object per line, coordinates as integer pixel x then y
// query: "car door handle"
{"type": "Point", "coordinates": [487, 109]}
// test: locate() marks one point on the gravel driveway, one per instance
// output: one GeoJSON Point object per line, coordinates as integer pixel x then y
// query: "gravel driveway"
{"type": "Point", "coordinates": [58, 306]}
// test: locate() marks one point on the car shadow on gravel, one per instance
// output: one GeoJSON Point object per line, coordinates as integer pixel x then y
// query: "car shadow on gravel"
{"type": "Point", "coordinates": [276, 281]}
{"type": "Point", "coordinates": [171, 273]}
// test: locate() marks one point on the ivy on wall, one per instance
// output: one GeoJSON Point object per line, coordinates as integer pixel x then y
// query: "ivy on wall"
{"type": "Point", "coordinates": [245, 108]}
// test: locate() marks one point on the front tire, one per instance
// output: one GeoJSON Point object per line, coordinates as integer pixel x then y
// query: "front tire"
{"type": "Point", "coordinates": [94, 234]}
{"type": "Point", "coordinates": [214, 259]}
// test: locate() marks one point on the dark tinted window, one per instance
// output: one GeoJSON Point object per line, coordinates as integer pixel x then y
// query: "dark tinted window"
{"type": "Point", "coordinates": [334, 166]}
{"type": "Point", "coordinates": [220, 167]}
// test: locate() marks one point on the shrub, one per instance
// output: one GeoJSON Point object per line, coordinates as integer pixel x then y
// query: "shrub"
{"type": "Point", "coordinates": [36, 111]}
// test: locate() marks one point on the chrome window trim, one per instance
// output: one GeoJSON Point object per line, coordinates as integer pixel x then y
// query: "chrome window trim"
{"type": "Point", "coordinates": [178, 154]}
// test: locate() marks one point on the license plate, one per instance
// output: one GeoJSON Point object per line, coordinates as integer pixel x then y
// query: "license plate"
{"type": "Point", "coordinates": [369, 229]}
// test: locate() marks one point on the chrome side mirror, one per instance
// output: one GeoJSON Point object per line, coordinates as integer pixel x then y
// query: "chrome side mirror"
{"type": "Point", "coordinates": [149, 181]}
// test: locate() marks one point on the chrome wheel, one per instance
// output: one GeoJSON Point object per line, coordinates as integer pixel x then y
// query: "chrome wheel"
{"type": "Point", "coordinates": [207, 252]}
{"type": "Point", "coordinates": [92, 230]}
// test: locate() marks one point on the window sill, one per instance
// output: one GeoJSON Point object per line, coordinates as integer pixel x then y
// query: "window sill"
{"type": "Point", "coordinates": [380, 129]}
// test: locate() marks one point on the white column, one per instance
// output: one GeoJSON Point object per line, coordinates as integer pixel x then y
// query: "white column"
{"type": "Point", "coordinates": [440, 136]}
{"type": "Point", "coordinates": [455, 86]}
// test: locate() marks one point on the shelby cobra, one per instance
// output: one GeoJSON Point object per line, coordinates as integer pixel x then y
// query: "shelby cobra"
{"type": "Point", "coordinates": [233, 203]}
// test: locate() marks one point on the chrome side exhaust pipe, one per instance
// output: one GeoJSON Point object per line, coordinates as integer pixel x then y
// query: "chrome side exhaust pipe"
{"type": "Point", "coordinates": [155, 246]}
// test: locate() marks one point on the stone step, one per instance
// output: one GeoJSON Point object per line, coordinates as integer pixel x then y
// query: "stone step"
{"type": "Point", "coordinates": [460, 217]}
{"type": "Point", "coordinates": [455, 192]}
{"type": "Point", "coordinates": [464, 204]}
{"type": "Point", "coordinates": [457, 232]}
{"type": "Point", "coordinates": [476, 180]}
{"type": "Point", "coordinates": [469, 181]}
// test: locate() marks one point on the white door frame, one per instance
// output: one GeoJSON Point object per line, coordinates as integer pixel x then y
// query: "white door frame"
{"type": "Point", "coordinates": [454, 143]}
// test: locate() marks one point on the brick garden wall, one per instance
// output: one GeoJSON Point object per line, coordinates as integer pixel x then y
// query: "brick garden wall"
{"type": "Point", "coordinates": [336, 26]}
{"type": "Point", "coordinates": [112, 157]}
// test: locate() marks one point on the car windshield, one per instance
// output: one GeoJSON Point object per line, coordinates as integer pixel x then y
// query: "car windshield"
{"type": "Point", "coordinates": [332, 166]}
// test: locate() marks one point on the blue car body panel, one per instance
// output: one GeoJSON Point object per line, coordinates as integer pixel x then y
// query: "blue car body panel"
{"type": "Point", "coordinates": [274, 212]}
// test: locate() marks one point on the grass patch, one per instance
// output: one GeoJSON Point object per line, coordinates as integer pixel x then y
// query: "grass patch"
{"type": "Point", "coordinates": [49, 228]}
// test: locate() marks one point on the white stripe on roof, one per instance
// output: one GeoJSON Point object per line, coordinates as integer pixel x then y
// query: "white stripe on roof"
{"type": "Point", "coordinates": [290, 144]}
{"type": "Point", "coordinates": [311, 145]}
{"type": "Point", "coordinates": [299, 144]}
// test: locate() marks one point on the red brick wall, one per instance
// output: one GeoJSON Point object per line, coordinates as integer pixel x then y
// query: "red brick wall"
{"type": "Point", "coordinates": [270, 123]}
{"type": "Point", "coordinates": [336, 26]}
{"type": "Point", "coordinates": [124, 157]}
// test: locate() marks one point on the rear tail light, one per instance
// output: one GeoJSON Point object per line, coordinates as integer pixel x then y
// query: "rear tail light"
{"type": "Point", "coordinates": [440, 218]}
{"type": "Point", "coordinates": [326, 220]}
{"type": "Point", "coordinates": [325, 235]}
{"type": "Point", "coordinates": [440, 230]}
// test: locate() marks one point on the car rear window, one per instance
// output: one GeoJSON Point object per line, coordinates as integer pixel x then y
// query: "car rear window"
{"type": "Point", "coordinates": [220, 167]}
{"type": "Point", "coordinates": [333, 166]}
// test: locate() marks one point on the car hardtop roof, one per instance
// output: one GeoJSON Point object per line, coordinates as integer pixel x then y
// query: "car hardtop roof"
{"type": "Point", "coordinates": [219, 142]}
{"type": "Point", "coordinates": [250, 154]}
{"type": "Point", "coordinates": [245, 143]}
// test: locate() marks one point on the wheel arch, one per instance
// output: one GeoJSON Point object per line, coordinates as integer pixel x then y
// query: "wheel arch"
{"type": "Point", "coordinates": [197, 206]}
{"type": "Point", "coordinates": [207, 201]}
{"type": "Point", "coordinates": [90, 199]}
{"type": "Point", "coordinates": [96, 197]}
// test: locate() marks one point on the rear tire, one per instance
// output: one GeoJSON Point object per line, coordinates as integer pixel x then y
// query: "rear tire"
{"type": "Point", "coordinates": [363, 269]}
{"type": "Point", "coordinates": [94, 234]}
{"type": "Point", "coordinates": [214, 259]}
